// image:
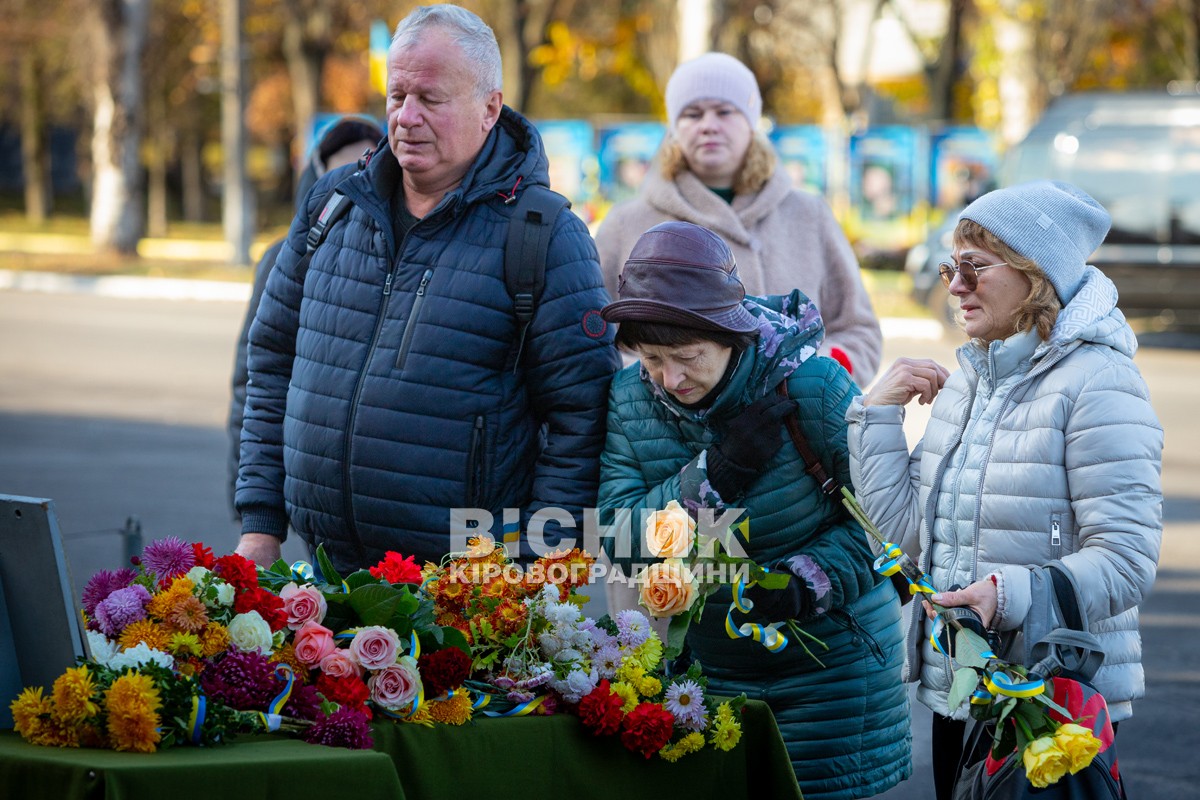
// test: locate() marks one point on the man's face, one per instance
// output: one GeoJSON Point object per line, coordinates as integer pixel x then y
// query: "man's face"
{"type": "Point", "coordinates": [437, 122]}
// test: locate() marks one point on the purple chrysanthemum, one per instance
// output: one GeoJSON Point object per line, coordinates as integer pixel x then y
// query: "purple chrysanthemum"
{"type": "Point", "coordinates": [243, 680]}
{"type": "Point", "coordinates": [104, 583]}
{"type": "Point", "coordinates": [120, 608]}
{"type": "Point", "coordinates": [168, 557]}
{"type": "Point", "coordinates": [685, 701]}
{"type": "Point", "coordinates": [601, 638]}
{"type": "Point", "coordinates": [633, 627]}
{"type": "Point", "coordinates": [304, 703]}
{"type": "Point", "coordinates": [345, 727]}
{"type": "Point", "coordinates": [607, 661]}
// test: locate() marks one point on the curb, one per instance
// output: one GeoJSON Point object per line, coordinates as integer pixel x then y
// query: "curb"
{"type": "Point", "coordinates": [139, 288]}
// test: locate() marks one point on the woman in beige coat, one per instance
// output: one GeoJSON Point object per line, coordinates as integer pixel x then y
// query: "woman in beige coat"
{"type": "Point", "coordinates": [715, 170]}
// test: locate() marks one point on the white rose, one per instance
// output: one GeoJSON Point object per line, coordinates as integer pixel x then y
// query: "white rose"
{"type": "Point", "coordinates": [250, 631]}
{"type": "Point", "coordinates": [197, 575]}
{"type": "Point", "coordinates": [225, 593]}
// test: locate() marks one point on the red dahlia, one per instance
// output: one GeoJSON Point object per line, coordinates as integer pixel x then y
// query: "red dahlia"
{"type": "Point", "coordinates": [443, 669]}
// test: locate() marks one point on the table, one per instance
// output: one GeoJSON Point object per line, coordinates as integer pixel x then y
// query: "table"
{"type": "Point", "coordinates": [532, 757]}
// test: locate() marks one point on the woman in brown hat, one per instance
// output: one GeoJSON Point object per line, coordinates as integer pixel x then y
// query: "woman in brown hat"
{"type": "Point", "coordinates": [700, 420]}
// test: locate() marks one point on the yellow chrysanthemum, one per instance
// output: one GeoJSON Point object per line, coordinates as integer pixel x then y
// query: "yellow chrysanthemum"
{"type": "Point", "coordinates": [214, 639]}
{"type": "Point", "coordinates": [649, 686]}
{"type": "Point", "coordinates": [422, 717]}
{"type": "Point", "coordinates": [57, 732]}
{"type": "Point", "coordinates": [649, 653]}
{"type": "Point", "coordinates": [286, 654]}
{"type": "Point", "coordinates": [73, 695]}
{"type": "Point", "coordinates": [688, 744]}
{"type": "Point", "coordinates": [30, 711]}
{"type": "Point", "coordinates": [133, 702]}
{"type": "Point", "coordinates": [725, 734]}
{"type": "Point", "coordinates": [184, 644]}
{"type": "Point", "coordinates": [631, 671]}
{"type": "Point", "coordinates": [724, 713]}
{"type": "Point", "coordinates": [628, 695]}
{"type": "Point", "coordinates": [455, 710]}
{"type": "Point", "coordinates": [154, 635]}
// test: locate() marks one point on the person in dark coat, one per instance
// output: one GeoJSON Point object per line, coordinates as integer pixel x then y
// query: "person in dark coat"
{"type": "Point", "coordinates": [347, 140]}
{"type": "Point", "coordinates": [700, 421]}
{"type": "Point", "coordinates": [391, 402]}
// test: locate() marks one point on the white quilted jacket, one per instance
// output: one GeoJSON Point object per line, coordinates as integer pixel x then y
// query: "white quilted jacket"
{"type": "Point", "coordinates": [1035, 451]}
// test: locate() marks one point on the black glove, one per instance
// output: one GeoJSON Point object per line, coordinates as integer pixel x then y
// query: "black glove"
{"type": "Point", "coordinates": [750, 440]}
{"type": "Point", "coordinates": [965, 616]}
{"type": "Point", "coordinates": [793, 601]}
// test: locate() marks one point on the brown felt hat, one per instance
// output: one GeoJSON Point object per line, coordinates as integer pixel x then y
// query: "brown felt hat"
{"type": "Point", "coordinates": [681, 274]}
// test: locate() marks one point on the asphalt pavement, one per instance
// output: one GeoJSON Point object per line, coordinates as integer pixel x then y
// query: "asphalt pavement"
{"type": "Point", "coordinates": [113, 401]}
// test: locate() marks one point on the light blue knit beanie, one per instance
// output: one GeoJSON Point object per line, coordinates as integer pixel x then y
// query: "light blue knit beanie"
{"type": "Point", "coordinates": [1052, 223]}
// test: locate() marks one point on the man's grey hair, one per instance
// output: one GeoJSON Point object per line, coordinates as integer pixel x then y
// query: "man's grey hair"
{"type": "Point", "coordinates": [468, 31]}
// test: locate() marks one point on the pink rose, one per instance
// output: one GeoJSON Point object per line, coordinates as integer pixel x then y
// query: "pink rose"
{"type": "Point", "coordinates": [375, 647]}
{"type": "Point", "coordinates": [395, 687]}
{"type": "Point", "coordinates": [339, 665]}
{"type": "Point", "coordinates": [302, 604]}
{"type": "Point", "coordinates": [313, 642]}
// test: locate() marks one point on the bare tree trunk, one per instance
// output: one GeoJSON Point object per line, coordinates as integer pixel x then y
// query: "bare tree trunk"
{"type": "Point", "coordinates": [307, 40]}
{"type": "Point", "coordinates": [191, 177]}
{"type": "Point", "coordinates": [120, 36]}
{"type": "Point", "coordinates": [1017, 77]}
{"type": "Point", "coordinates": [35, 159]}
{"type": "Point", "coordinates": [156, 173]}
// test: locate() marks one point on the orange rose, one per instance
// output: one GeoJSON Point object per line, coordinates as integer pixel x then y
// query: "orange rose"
{"type": "Point", "coordinates": [668, 588]}
{"type": "Point", "coordinates": [671, 532]}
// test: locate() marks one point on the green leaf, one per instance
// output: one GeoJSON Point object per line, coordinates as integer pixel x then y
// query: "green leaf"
{"type": "Point", "coordinates": [676, 633]}
{"type": "Point", "coordinates": [1045, 700]}
{"type": "Point", "coordinates": [969, 649]}
{"type": "Point", "coordinates": [453, 637]}
{"type": "Point", "coordinates": [377, 604]}
{"type": "Point", "coordinates": [360, 578]}
{"type": "Point", "coordinates": [330, 574]}
{"type": "Point", "coordinates": [774, 580]}
{"type": "Point", "coordinates": [965, 681]}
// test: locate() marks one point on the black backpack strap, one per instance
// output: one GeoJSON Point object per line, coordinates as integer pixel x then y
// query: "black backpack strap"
{"type": "Point", "coordinates": [334, 207]}
{"type": "Point", "coordinates": [525, 254]}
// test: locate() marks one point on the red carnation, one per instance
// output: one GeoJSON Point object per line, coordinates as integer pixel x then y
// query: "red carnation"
{"type": "Point", "coordinates": [348, 692]}
{"type": "Point", "coordinates": [397, 569]}
{"type": "Point", "coordinates": [237, 570]}
{"type": "Point", "coordinates": [203, 555]}
{"type": "Point", "coordinates": [647, 729]}
{"type": "Point", "coordinates": [443, 669]}
{"type": "Point", "coordinates": [269, 606]}
{"type": "Point", "coordinates": [600, 710]}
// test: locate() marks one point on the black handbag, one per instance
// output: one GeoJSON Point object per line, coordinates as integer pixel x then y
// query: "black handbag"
{"type": "Point", "coordinates": [1067, 658]}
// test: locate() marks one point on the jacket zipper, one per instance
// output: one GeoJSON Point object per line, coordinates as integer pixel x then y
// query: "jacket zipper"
{"type": "Point", "coordinates": [410, 326]}
{"type": "Point", "coordinates": [475, 463]}
{"type": "Point", "coordinates": [1055, 538]}
{"type": "Point", "coordinates": [348, 438]}
{"type": "Point", "coordinates": [846, 618]}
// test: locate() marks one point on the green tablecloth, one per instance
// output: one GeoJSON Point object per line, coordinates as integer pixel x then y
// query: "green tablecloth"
{"type": "Point", "coordinates": [530, 757]}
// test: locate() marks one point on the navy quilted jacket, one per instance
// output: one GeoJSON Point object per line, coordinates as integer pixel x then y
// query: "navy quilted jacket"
{"type": "Point", "coordinates": [845, 720]}
{"type": "Point", "coordinates": [382, 392]}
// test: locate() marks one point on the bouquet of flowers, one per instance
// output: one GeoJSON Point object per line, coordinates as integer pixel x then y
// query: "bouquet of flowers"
{"type": "Point", "coordinates": [1029, 717]}
{"type": "Point", "coordinates": [693, 566]}
{"type": "Point", "coordinates": [185, 648]}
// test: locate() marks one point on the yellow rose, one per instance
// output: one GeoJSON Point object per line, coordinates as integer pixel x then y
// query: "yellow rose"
{"type": "Point", "coordinates": [671, 532]}
{"type": "Point", "coordinates": [1078, 742]}
{"type": "Point", "coordinates": [1044, 762]}
{"type": "Point", "coordinates": [667, 588]}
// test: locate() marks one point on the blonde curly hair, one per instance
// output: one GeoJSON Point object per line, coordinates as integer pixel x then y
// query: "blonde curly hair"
{"type": "Point", "coordinates": [756, 169]}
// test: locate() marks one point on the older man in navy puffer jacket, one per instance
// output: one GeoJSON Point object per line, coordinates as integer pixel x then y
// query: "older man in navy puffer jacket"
{"type": "Point", "coordinates": [382, 386]}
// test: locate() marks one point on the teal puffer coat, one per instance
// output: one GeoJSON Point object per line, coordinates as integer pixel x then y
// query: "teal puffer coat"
{"type": "Point", "coordinates": [846, 723]}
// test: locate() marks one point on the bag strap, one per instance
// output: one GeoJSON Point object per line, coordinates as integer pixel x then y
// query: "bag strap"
{"type": "Point", "coordinates": [334, 207]}
{"type": "Point", "coordinates": [525, 253]}
{"type": "Point", "coordinates": [812, 465]}
{"type": "Point", "coordinates": [1071, 647]}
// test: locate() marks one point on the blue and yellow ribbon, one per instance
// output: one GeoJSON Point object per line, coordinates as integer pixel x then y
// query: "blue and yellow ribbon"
{"type": "Point", "coordinates": [1002, 683]}
{"type": "Point", "coordinates": [414, 645]}
{"type": "Point", "coordinates": [766, 635]}
{"type": "Point", "coordinates": [302, 571]}
{"type": "Point", "coordinates": [519, 710]}
{"type": "Point", "coordinates": [196, 718]}
{"type": "Point", "coordinates": [283, 673]}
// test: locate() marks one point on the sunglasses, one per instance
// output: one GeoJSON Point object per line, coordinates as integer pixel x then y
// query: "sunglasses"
{"type": "Point", "coordinates": [966, 270]}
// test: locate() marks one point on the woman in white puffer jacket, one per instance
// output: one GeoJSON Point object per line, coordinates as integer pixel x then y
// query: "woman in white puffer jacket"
{"type": "Point", "coordinates": [1043, 446]}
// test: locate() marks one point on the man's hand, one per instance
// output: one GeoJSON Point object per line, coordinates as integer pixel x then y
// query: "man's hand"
{"type": "Point", "coordinates": [261, 548]}
{"type": "Point", "coordinates": [905, 379]}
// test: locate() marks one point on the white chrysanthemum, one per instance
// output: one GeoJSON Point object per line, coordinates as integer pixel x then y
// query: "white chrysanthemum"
{"type": "Point", "coordinates": [101, 647]}
{"type": "Point", "coordinates": [564, 614]}
{"type": "Point", "coordinates": [140, 655]}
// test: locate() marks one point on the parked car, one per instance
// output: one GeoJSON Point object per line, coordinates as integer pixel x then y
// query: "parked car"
{"type": "Point", "coordinates": [1138, 154]}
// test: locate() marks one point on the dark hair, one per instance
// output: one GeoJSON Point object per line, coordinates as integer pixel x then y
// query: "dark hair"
{"type": "Point", "coordinates": [632, 333]}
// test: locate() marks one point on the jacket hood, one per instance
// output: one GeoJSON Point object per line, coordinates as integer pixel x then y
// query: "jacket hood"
{"type": "Point", "coordinates": [786, 339]}
{"type": "Point", "coordinates": [1092, 316]}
